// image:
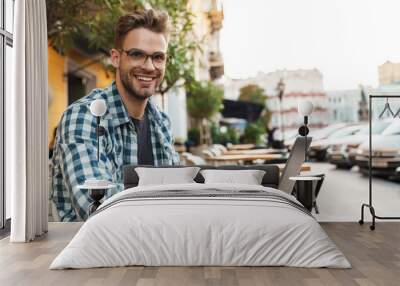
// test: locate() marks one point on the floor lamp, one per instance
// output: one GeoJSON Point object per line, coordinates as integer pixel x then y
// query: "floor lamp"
{"type": "Point", "coordinates": [305, 109]}
{"type": "Point", "coordinates": [97, 187]}
{"type": "Point", "coordinates": [98, 108]}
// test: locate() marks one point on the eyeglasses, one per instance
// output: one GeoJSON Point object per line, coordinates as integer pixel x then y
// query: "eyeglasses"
{"type": "Point", "coordinates": [139, 57]}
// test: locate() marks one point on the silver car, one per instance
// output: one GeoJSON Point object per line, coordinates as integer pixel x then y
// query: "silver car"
{"type": "Point", "coordinates": [343, 152]}
{"type": "Point", "coordinates": [316, 134]}
{"type": "Point", "coordinates": [319, 147]}
{"type": "Point", "coordinates": [385, 152]}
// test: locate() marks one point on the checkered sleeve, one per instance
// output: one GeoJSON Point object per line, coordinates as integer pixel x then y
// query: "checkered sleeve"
{"type": "Point", "coordinates": [170, 138]}
{"type": "Point", "coordinates": [76, 148]}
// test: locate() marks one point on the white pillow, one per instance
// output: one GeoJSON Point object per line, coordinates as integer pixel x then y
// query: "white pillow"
{"type": "Point", "coordinates": [249, 177]}
{"type": "Point", "coordinates": [162, 176]}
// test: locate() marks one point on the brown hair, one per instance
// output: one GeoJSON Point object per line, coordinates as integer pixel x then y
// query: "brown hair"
{"type": "Point", "coordinates": [154, 20]}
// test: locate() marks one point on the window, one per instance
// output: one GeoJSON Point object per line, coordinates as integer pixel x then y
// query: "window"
{"type": "Point", "coordinates": [76, 88]}
{"type": "Point", "coordinates": [80, 82]}
{"type": "Point", "coordinates": [6, 64]}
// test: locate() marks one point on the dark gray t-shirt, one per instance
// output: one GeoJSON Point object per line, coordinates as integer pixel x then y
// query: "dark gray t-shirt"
{"type": "Point", "coordinates": [145, 150]}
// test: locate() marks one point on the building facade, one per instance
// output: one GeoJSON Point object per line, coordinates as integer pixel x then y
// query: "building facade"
{"type": "Point", "coordinates": [208, 62]}
{"type": "Point", "coordinates": [389, 83]}
{"type": "Point", "coordinates": [389, 73]}
{"type": "Point", "coordinates": [343, 105]}
{"type": "Point", "coordinates": [301, 84]}
{"type": "Point", "coordinates": [72, 76]}
{"type": "Point", "coordinates": [208, 19]}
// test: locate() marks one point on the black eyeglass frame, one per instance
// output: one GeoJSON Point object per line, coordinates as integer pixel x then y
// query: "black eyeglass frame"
{"type": "Point", "coordinates": [151, 56]}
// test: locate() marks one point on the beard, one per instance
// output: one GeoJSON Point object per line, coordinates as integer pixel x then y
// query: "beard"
{"type": "Point", "coordinates": [132, 86]}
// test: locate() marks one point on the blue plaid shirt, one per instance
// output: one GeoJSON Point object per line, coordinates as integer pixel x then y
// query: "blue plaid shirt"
{"type": "Point", "coordinates": [75, 152]}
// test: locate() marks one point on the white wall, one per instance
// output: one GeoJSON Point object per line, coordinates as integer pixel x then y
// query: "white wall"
{"type": "Point", "coordinates": [176, 111]}
{"type": "Point", "coordinates": [301, 84]}
{"type": "Point", "coordinates": [343, 105]}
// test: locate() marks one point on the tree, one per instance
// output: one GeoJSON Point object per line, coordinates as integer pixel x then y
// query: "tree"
{"type": "Point", "coordinates": [93, 21]}
{"type": "Point", "coordinates": [203, 102]}
{"type": "Point", "coordinates": [256, 94]}
{"type": "Point", "coordinates": [265, 118]}
{"type": "Point", "coordinates": [219, 137]}
{"type": "Point", "coordinates": [253, 93]}
{"type": "Point", "coordinates": [253, 133]}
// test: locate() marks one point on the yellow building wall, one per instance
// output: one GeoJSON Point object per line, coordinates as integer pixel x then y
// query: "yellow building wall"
{"type": "Point", "coordinates": [389, 73]}
{"type": "Point", "coordinates": [57, 89]}
{"type": "Point", "coordinates": [58, 83]}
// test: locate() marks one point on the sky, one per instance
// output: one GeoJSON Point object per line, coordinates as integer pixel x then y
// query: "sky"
{"type": "Point", "coordinates": [345, 39]}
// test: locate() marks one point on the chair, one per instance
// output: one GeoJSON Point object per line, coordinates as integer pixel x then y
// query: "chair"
{"type": "Point", "coordinates": [195, 161]}
{"type": "Point", "coordinates": [293, 164]}
{"type": "Point", "coordinates": [222, 148]}
{"type": "Point", "coordinates": [190, 160]}
{"type": "Point", "coordinates": [215, 151]}
{"type": "Point", "coordinates": [207, 154]}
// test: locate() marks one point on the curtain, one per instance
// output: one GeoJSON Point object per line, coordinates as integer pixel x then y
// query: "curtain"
{"type": "Point", "coordinates": [26, 124]}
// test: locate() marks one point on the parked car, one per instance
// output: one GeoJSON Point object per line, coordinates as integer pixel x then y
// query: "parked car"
{"type": "Point", "coordinates": [397, 174]}
{"type": "Point", "coordinates": [342, 152]}
{"type": "Point", "coordinates": [316, 134]}
{"type": "Point", "coordinates": [319, 147]}
{"type": "Point", "coordinates": [322, 133]}
{"type": "Point", "coordinates": [385, 152]}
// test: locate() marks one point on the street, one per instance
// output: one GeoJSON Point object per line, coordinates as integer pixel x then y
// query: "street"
{"type": "Point", "coordinates": [344, 191]}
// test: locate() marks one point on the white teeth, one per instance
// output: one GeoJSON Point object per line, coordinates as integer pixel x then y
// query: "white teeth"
{"type": "Point", "coordinates": [144, 78]}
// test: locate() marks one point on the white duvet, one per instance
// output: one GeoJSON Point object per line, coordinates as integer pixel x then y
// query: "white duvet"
{"type": "Point", "coordinates": [192, 231]}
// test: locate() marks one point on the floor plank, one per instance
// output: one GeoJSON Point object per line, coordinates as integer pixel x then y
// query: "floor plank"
{"type": "Point", "coordinates": [375, 257]}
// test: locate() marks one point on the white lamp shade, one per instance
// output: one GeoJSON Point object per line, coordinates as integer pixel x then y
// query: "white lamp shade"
{"type": "Point", "coordinates": [98, 107]}
{"type": "Point", "coordinates": [305, 107]}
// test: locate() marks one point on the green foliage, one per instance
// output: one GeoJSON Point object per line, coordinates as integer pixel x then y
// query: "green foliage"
{"type": "Point", "coordinates": [204, 100]}
{"type": "Point", "coordinates": [194, 136]}
{"type": "Point", "coordinates": [253, 93]}
{"type": "Point", "coordinates": [233, 136]}
{"type": "Point", "coordinates": [230, 136]}
{"type": "Point", "coordinates": [256, 94]}
{"type": "Point", "coordinates": [93, 21]}
{"type": "Point", "coordinates": [265, 118]}
{"type": "Point", "coordinates": [253, 132]}
{"type": "Point", "coordinates": [215, 133]}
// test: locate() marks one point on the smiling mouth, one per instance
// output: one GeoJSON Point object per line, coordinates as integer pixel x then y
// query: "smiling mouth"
{"type": "Point", "coordinates": [144, 78]}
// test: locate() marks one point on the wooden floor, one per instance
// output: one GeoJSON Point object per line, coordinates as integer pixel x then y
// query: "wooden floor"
{"type": "Point", "coordinates": [375, 257]}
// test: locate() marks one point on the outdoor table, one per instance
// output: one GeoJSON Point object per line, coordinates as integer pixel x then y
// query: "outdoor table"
{"type": "Point", "coordinates": [254, 152]}
{"type": "Point", "coordinates": [244, 157]}
{"type": "Point", "coordinates": [304, 167]}
{"type": "Point", "coordinates": [241, 146]}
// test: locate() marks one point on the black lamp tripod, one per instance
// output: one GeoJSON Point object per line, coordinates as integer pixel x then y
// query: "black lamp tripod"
{"type": "Point", "coordinates": [303, 131]}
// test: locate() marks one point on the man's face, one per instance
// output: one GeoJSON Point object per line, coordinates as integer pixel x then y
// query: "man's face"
{"type": "Point", "coordinates": [140, 77]}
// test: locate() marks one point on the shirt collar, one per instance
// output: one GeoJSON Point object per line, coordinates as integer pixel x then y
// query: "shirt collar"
{"type": "Point", "coordinates": [118, 112]}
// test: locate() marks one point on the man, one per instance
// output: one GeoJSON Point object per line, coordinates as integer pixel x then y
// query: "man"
{"type": "Point", "coordinates": [135, 131]}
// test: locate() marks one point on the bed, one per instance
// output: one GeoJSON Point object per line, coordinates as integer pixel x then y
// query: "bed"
{"type": "Point", "coordinates": [201, 224]}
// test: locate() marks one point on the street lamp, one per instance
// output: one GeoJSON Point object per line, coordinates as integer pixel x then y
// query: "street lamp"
{"type": "Point", "coordinates": [280, 88]}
